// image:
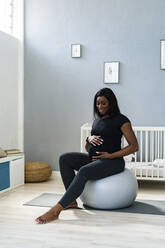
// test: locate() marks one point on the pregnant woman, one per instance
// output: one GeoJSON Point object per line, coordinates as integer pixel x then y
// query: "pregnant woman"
{"type": "Point", "coordinates": [104, 158]}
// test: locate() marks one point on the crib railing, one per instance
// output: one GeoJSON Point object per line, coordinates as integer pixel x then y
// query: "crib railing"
{"type": "Point", "coordinates": [149, 161]}
{"type": "Point", "coordinates": [151, 142]}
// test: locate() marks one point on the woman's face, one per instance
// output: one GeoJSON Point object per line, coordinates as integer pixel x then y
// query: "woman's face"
{"type": "Point", "coordinates": [102, 105]}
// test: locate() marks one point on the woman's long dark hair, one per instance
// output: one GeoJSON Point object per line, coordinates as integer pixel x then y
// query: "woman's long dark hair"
{"type": "Point", "coordinates": [114, 108]}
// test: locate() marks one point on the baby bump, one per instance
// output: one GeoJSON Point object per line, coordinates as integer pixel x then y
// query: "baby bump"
{"type": "Point", "coordinates": [93, 149]}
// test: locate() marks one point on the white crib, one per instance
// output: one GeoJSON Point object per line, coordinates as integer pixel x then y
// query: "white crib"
{"type": "Point", "coordinates": [148, 163]}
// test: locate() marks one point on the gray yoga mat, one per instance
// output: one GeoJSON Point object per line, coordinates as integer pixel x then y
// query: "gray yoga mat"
{"type": "Point", "coordinates": [47, 200]}
{"type": "Point", "coordinates": [139, 206]}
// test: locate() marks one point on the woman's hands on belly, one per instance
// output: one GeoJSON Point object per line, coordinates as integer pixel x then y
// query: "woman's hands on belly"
{"type": "Point", "coordinates": [95, 140]}
{"type": "Point", "coordinates": [97, 152]}
{"type": "Point", "coordinates": [96, 148]}
{"type": "Point", "coordinates": [101, 155]}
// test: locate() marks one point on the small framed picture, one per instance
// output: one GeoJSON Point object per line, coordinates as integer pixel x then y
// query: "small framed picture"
{"type": "Point", "coordinates": [111, 72]}
{"type": "Point", "coordinates": [76, 50]}
{"type": "Point", "coordinates": [162, 54]}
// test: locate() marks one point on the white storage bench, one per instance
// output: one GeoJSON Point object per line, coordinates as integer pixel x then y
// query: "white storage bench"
{"type": "Point", "coordinates": [149, 162]}
{"type": "Point", "coordinates": [11, 172]}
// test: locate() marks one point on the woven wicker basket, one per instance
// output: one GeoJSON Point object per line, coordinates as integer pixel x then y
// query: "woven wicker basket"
{"type": "Point", "coordinates": [37, 171]}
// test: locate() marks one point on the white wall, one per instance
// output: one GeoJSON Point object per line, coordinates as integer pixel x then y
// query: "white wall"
{"type": "Point", "coordinates": [9, 111]}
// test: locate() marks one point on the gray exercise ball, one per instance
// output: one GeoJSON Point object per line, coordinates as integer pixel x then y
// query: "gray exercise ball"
{"type": "Point", "coordinates": [113, 192]}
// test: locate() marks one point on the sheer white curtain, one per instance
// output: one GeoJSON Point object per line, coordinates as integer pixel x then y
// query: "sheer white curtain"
{"type": "Point", "coordinates": [6, 15]}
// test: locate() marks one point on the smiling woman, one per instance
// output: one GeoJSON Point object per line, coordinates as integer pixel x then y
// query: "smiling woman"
{"type": "Point", "coordinates": [108, 127]}
{"type": "Point", "coordinates": [104, 158]}
{"type": "Point", "coordinates": [102, 105]}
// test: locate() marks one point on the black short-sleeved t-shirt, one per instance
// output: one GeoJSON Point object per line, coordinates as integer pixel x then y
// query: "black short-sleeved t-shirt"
{"type": "Point", "coordinates": [110, 131]}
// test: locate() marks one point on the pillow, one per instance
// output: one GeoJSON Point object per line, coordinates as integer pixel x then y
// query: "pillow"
{"type": "Point", "coordinates": [2, 153]}
{"type": "Point", "coordinates": [159, 162]}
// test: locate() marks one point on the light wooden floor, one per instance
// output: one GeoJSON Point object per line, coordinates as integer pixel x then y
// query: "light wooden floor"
{"type": "Point", "coordinates": [78, 228]}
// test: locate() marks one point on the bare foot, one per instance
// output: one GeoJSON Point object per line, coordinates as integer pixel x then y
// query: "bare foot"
{"type": "Point", "coordinates": [51, 215]}
{"type": "Point", "coordinates": [72, 205]}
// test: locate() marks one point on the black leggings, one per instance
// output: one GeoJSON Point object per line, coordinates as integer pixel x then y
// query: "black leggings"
{"type": "Point", "coordinates": [87, 170]}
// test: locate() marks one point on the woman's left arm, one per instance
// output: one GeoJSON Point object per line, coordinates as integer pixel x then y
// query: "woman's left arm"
{"type": "Point", "coordinates": [131, 148]}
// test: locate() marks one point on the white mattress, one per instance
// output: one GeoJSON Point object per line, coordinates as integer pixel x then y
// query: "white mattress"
{"type": "Point", "coordinates": [146, 169]}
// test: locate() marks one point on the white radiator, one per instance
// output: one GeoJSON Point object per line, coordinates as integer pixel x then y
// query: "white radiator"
{"type": "Point", "coordinates": [148, 163]}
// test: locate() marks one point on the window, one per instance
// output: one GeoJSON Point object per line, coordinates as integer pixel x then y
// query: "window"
{"type": "Point", "coordinates": [11, 17]}
{"type": "Point", "coordinates": [6, 16]}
